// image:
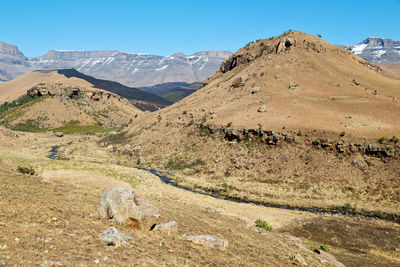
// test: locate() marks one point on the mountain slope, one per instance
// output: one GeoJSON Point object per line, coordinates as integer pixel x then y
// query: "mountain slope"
{"type": "Point", "coordinates": [391, 71]}
{"type": "Point", "coordinates": [291, 120]}
{"type": "Point", "coordinates": [12, 62]}
{"type": "Point", "coordinates": [173, 91]}
{"type": "Point", "coordinates": [12, 89]}
{"type": "Point", "coordinates": [378, 50]}
{"type": "Point", "coordinates": [134, 69]}
{"type": "Point", "coordinates": [310, 84]}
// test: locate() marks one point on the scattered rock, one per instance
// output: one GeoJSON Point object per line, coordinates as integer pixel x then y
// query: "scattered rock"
{"type": "Point", "coordinates": [140, 160]}
{"type": "Point", "coordinates": [68, 151]}
{"type": "Point", "coordinates": [2, 223]}
{"type": "Point", "coordinates": [300, 259]}
{"type": "Point", "coordinates": [110, 148]}
{"type": "Point", "coordinates": [59, 134]}
{"type": "Point", "coordinates": [326, 257]}
{"type": "Point", "coordinates": [52, 263]}
{"type": "Point", "coordinates": [209, 240]}
{"type": "Point", "coordinates": [3, 247]}
{"type": "Point", "coordinates": [3, 263]}
{"type": "Point", "coordinates": [103, 144]}
{"type": "Point", "coordinates": [292, 86]}
{"type": "Point", "coordinates": [255, 89]}
{"type": "Point", "coordinates": [97, 261]}
{"type": "Point", "coordinates": [338, 85]}
{"type": "Point", "coordinates": [213, 209]}
{"type": "Point", "coordinates": [213, 116]}
{"type": "Point", "coordinates": [137, 148]}
{"type": "Point", "coordinates": [237, 82]}
{"type": "Point", "coordinates": [113, 133]}
{"type": "Point", "coordinates": [263, 108]}
{"type": "Point", "coordinates": [123, 206]}
{"type": "Point", "coordinates": [167, 228]}
{"type": "Point", "coordinates": [113, 237]}
{"type": "Point", "coordinates": [355, 82]}
{"type": "Point", "coordinates": [105, 258]}
{"type": "Point", "coordinates": [277, 77]}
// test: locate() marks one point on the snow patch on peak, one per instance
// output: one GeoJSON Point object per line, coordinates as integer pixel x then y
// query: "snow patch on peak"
{"type": "Point", "coordinates": [378, 53]}
{"type": "Point", "coordinates": [358, 49]}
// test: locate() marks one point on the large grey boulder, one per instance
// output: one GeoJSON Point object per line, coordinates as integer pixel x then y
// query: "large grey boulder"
{"type": "Point", "coordinates": [113, 237]}
{"type": "Point", "coordinates": [209, 240]}
{"type": "Point", "coordinates": [123, 206]}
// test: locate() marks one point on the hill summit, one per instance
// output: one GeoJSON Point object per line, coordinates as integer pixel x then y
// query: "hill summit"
{"type": "Point", "coordinates": [296, 81]}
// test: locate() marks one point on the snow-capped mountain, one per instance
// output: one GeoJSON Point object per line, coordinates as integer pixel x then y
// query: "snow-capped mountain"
{"type": "Point", "coordinates": [134, 69]}
{"type": "Point", "coordinates": [378, 50]}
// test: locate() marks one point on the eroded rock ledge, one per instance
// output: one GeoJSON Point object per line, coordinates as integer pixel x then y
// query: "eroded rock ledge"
{"type": "Point", "coordinates": [380, 148]}
{"type": "Point", "coordinates": [70, 91]}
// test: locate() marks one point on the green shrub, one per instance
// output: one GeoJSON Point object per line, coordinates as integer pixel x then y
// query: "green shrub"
{"type": "Point", "coordinates": [237, 84]}
{"type": "Point", "coordinates": [382, 139]}
{"type": "Point", "coordinates": [324, 248]}
{"type": "Point", "coordinates": [394, 139]}
{"type": "Point", "coordinates": [26, 170]}
{"type": "Point", "coordinates": [263, 224]}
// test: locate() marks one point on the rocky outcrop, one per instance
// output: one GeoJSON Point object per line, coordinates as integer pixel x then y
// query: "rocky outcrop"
{"type": "Point", "coordinates": [285, 45]}
{"type": "Point", "coordinates": [70, 91]}
{"type": "Point", "coordinates": [390, 148]}
{"type": "Point", "coordinates": [123, 206]}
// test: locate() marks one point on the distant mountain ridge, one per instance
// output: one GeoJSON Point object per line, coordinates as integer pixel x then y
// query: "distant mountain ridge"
{"type": "Point", "coordinates": [134, 69]}
{"type": "Point", "coordinates": [381, 51]}
{"type": "Point", "coordinates": [12, 62]}
{"type": "Point", "coordinates": [127, 68]}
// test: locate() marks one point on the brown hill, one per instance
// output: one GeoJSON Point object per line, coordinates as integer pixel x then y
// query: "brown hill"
{"type": "Point", "coordinates": [310, 84]}
{"type": "Point", "coordinates": [12, 89]}
{"type": "Point", "coordinates": [291, 120]}
{"type": "Point", "coordinates": [391, 71]}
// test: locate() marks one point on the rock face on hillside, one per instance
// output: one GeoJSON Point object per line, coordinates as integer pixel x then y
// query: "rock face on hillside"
{"type": "Point", "coordinates": [380, 51]}
{"type": "Point", "coordinates": [12, 62]}
{"type": "Point", "coordinates": [134, 69]}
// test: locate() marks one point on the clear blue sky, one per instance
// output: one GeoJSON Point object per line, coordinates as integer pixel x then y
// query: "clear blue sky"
{"type": "Point", "coordinates": [166, 27]}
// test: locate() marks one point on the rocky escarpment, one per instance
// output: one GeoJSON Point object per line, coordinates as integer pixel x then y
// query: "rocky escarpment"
{"type": "Point", "coordinates": [70, 91]}
{"type": "Point", "coordinates": [381, 148]}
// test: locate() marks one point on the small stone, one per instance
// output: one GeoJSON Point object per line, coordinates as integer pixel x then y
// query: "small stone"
{"type": "Point", "coordinates": [17, 239]}
{"type": "Point", "coordinates": [255, 90]}
{"type": "Point", "coordinates": [105, 258]}
{"type": "Point", "coordinates": [54, 219]}
{"type": "Point", "coordinates": [97, 261]}
{"type": "Point", "coordinates": [3, 247]}
{"type": "Point", "coordinates": [51, 263]}
{"type": "Point", "coordinates": [356, 82]}
{"type": "Point", "coordinates": [263, 108]}
{"type": "Point", "coordinates": [2, 223]}
{"type": "Point", "coordinates": [209, 240]}
{"type": "Point", "coordinates": [59, 134]}
{"type": "Point", "coordinates": [292, 86]}
{"type": "Point", "coordinates": [113, 237]}
{"type": "Point", "coordinates": [46, 180]}
{"type": "Point", "coordinates": [300, 259]}
{"type": "Point", "coordinates": [3, 263]}
{"type": "Point", "coordinates": [167, 228]}
{"type": "Point", "coordinates": [140, 160]}
{"type": "Point", "coordinates": [110, 148]}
